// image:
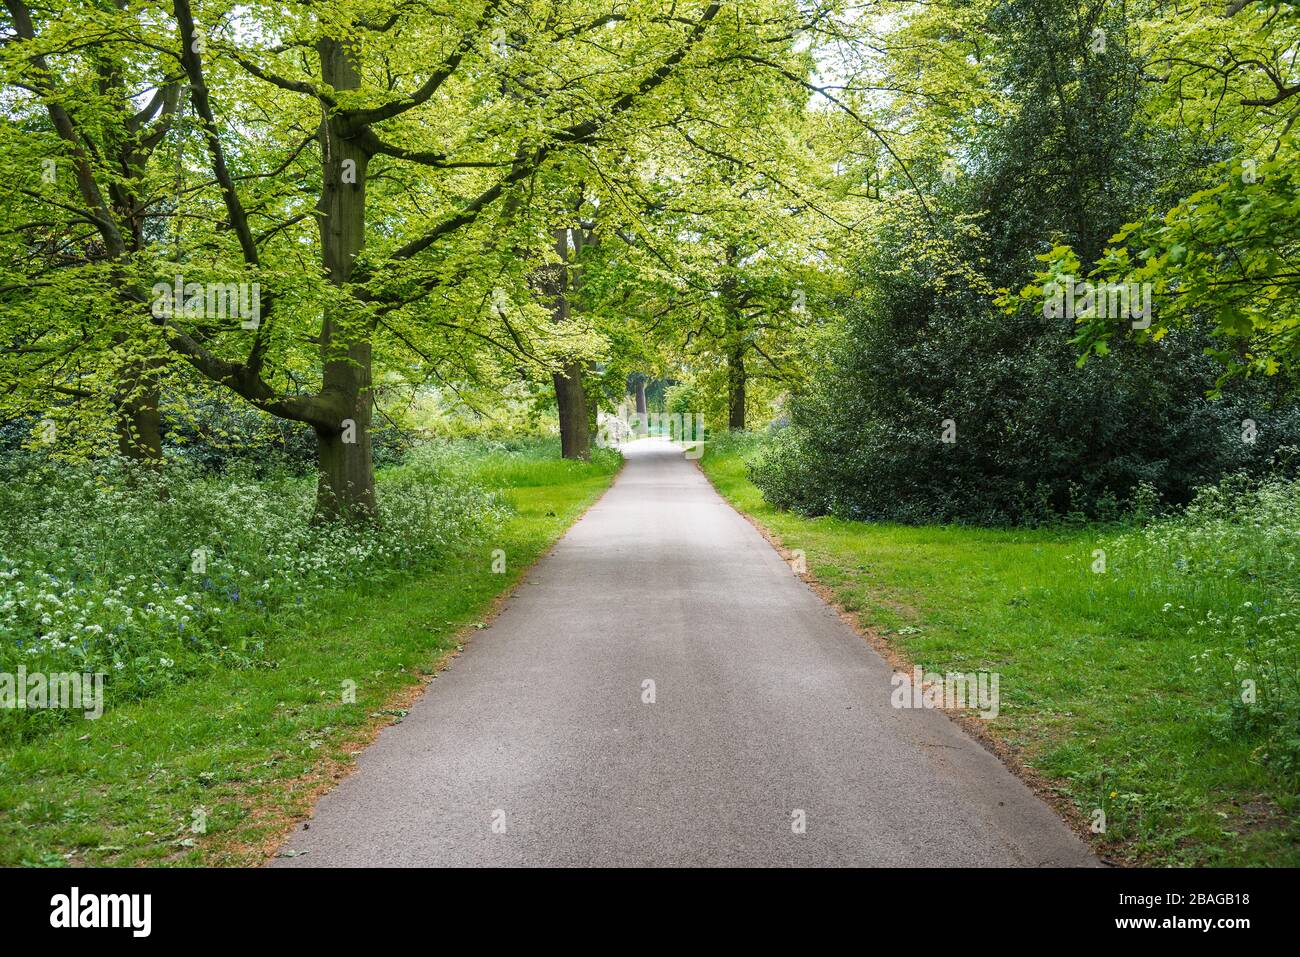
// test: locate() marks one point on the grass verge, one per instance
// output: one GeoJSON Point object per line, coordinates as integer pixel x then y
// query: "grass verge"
{"type": "Point", "coordinates": [1104, 701]}
{"type": "Point", "coordinates": [215, 770]}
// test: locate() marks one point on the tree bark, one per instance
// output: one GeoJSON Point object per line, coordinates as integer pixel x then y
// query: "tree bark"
{"type": "Point", "coordinates": [640, 395]}
{"type": "Point", "coordinates": [736, 389]}
{"type": "Point", "coordinates": [736, 342]}
{"type": "Point", "coordinates": [139, 425]}
{"type": "Point", "coordinates": [347, 474]}
{"type": "Point", "coordinates": [575, 425]}
{"type": "Point", "coordinates": [570, 393]}
{"type": "Point", "coordinates": [346, 489]}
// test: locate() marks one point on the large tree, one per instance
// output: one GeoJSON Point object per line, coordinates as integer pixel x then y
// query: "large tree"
{"type": "Point", "coordinates": [379, 104]}
{"type": "Point", "coordinates": [411, 127]}
{"type": "Point", "coordinates": [84, 147]}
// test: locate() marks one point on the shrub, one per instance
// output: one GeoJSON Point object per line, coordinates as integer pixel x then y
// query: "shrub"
{"type": "Point", "coordinates": [1036, 435]}
{"type": "Point", "coordinates": [1226, 572]}
{"type": "Point", "coordinates": [101, 569]}
{"type": "Point", "coordinates": [215, 434]}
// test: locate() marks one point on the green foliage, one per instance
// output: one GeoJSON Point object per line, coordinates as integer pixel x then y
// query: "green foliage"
{"type": "Point", "coordinates": [100, 565]}
{"type": "Point", "coordinates": [932, 405]}
{"type": "Point", "coordinates": [1034, 435]}
{"type": "Point", "coordinates": [705, 393]}
{"type": "Point", "coordinates": [1224, 256]}
{"type": "Point", "coordinates": [1219, 246]}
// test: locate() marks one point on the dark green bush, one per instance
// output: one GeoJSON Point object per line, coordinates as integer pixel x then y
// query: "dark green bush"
{"type": "Point", "coordinates": [1036, 436]}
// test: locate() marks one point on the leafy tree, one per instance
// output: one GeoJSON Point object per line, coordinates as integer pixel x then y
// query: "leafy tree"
{"type": "Point", "coordinates": [84, 145]}
{"type": "Point", "coordinates": [338, 102]}
{"type": "Point", "coordinates": [1224, 250]}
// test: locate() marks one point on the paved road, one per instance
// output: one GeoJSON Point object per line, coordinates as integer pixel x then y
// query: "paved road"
{"type": "Point", "coordinates": [766, 704]}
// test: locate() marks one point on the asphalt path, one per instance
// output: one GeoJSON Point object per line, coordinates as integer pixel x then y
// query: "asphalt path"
{"type": "Point", "coordinates": [767, 736]}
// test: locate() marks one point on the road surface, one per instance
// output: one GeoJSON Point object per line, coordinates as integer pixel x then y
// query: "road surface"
{"type": "Point", "coordinates": [770, 740]}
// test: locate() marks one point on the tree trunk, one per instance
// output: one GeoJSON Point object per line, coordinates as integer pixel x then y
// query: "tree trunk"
{"type": "Point", "coordinates": [139, 427]}
{"type": "Point", "coordinates": [736, 341]}
{"type": "Point", "coordinates": [571, 396]}
{"type": "Point", "coordinates": [346, 490]}
{"type": "Point", "coordinates": [640, 395]}
{"type": "Point", "coordinates": [347, 473]}
{"type": "Point", "coordinates": [135, 399]}
{"type": "Point", "coordinates": [590, 396]}
{"type": "Point", "coordinates": [736, 389]}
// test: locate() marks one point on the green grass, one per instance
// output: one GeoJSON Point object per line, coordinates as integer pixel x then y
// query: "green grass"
{"type": "Point", "coordinates": [248, 747]}
{"type": "Point", "coordinates": [1121, 704]}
